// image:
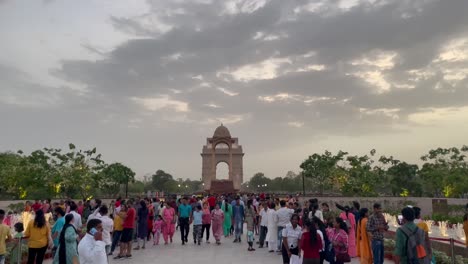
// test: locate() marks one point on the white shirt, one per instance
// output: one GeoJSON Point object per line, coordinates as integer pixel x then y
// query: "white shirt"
{"type": "Point", "coordinates": [91, 251]}
{"type": "Point", "coordinates": [76, 220]}
{"type": "Point", "coordinates": [284, 216]}
{"type": "Point", "coordinates": [264, 219]}
{"type": "Point", "coordinates": [107, 225]}
{"type": "Point", "coordinates": [293, 235]}
{"type": "Point", "coordinates": [318, 214]}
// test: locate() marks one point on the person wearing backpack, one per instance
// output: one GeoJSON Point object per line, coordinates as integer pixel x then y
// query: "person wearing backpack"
{"type": "Point", "coordinates": [409, 246]}
{"type": "Point", "coordinates": [427, 242]}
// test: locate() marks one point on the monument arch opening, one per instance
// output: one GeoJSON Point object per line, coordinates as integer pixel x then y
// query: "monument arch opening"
{"type": "Point", "coordinates": [222, 148]}
{"type": "Point", "coordinates": [222, 171]}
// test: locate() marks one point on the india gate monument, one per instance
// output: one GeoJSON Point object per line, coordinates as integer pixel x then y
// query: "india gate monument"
{"type": "Point", "coordinates": [222, 148]}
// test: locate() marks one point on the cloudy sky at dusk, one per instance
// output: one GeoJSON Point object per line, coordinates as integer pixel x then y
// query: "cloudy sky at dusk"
{"type": "Point", "coordinates": [146, 82]}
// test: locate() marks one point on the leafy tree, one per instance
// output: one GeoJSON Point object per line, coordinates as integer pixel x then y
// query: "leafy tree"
{"type": "Point", "coordinates": [10, 176]}
{"type": "Point", "coordinates": [259, 182]}
{"type": "Point", "coordinates": [114, 176]}
{"type": "Point", "coordinates": [320, 169]}
{"type": "Point", "coordinates": [362, 177]}
{"type": "Point", "coordinates": [445, 172]}
{"type": "Point", "coordinates": [163, 181]}
{"type": "Point", "coordinates": [403, 177]}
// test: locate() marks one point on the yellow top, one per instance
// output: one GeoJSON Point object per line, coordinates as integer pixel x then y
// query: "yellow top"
{"type": "Point", "coordinates": [118, 221]}
{"type": "Point", "coordinates": [37, 237]}
{"type": "Point", "coordinates": [4, 235]}
{"type": "Point", "coordinates": [423, 226]}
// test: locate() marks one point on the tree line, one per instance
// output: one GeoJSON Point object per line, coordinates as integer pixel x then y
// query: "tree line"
{"type": "Point", "coordinates": [443, 173]}
{"type": "Point", "coordinates": [78, 174]}
{"type": "Point", "coordinates": [57, 173]}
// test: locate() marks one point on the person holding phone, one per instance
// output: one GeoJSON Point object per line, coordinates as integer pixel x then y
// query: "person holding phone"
{"type": "Point", "coordinates": [92, 250]}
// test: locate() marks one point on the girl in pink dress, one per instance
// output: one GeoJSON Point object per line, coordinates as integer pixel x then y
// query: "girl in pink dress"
{"type": "Point", "coordinates": [350, 221]}
{"type": "Point", "coordinates": [168, 216]}
{"type": "Point", "coordinates": [217, 218]}
{"type": "Point", "coordinates": [157, 229]}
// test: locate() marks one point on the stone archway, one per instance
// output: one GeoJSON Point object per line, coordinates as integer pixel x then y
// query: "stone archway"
{"type": "Point", "coordinates": [222, 148]}
{"type": "Point", "coordinates": [222, 171]}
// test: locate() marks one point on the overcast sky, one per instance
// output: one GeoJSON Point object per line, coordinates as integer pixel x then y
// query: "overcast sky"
{"type": "Point", "coordinates": [146, 82]}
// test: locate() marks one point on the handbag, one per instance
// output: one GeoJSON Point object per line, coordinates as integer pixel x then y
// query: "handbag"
{"type": "Point", "coordinates": [343, 257]}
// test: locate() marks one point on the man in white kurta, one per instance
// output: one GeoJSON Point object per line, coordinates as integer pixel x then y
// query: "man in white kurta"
{"type": "Point", "coordinates": [92, 250]}
{"type": "Point", "coordinates": [272, 225]}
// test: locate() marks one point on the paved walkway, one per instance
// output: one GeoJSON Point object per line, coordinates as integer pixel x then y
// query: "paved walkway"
{"type": "Point", "coordinates": [226, 253]}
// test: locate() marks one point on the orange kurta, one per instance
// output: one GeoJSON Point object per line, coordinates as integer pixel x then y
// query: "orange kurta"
{"type": "Point", "coordinates": [363, 243]}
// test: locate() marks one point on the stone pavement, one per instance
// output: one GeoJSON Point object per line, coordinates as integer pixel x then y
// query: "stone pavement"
{"type": "Point", "coordinates": [226, 253]}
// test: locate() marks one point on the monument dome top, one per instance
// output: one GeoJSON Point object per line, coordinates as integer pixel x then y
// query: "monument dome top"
{"type": "Point", "coordinates": [222, 132]}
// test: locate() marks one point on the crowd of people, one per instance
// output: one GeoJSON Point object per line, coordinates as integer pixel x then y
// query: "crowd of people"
{"type": "Point", "coordinates": [307, 232]}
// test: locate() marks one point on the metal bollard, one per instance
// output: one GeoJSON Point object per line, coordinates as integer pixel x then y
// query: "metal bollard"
{"type": "Point", "coordinates": [452, 248]}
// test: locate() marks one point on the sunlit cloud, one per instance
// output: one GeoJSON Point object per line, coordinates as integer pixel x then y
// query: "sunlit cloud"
{"type": "Point", "coordinates": [161, 102]}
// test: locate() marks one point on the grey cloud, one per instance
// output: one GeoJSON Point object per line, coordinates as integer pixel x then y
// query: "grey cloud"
{"type": "Point", "coordinates": [201, 41]}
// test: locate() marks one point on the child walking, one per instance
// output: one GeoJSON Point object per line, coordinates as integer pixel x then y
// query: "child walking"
{"type": "Point", "coordinates": [157, 229]}
{"type": "Point", "coordinates": [197, 224]}
{"type": "Point", "coordinates": [16, 250]}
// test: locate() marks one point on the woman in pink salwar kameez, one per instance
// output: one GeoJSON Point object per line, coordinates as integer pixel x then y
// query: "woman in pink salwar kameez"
{"type": "Point", "coordinates": [168, 216]}
{"type": "Point", "coordinates": [347, 216]}
{"type": "Point", "coordinates": [217, 218]}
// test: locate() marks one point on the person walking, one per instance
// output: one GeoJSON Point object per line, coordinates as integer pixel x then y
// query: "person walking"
{"type": "Point", "coordinates": [340, 241]}
{"type": "Point", "coordinates": [249, 215]}
{"type": "Point", "coordinates": [142, 223]}
{"type": "Point", "coordinates": [227, 209]}
{"type": "Point", "coordinates": [206, 221]}
{"type": "Point", "coordinates": [39, 238]}
{"type": "Point", "coordinates": [157, 229]}
{"type": "Point", "coordinates": [363, 244]}
{"type": "Point", "coordinates": [272, 227]}
{"type": "Point", "coordinates": [238, 215]}
{"type": "Point", "coordinates": [185, 219]}
{"type": "Point", "coordinates": [217, 219]}
{"type": "Point", "coordinates": [376, 226]}
{"type": "Point", "coordinates": [169, 220]}
{"type": "Point", "coordinates": [67, 252]}
{"type": "Point", "coordinates": [197, 224]}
